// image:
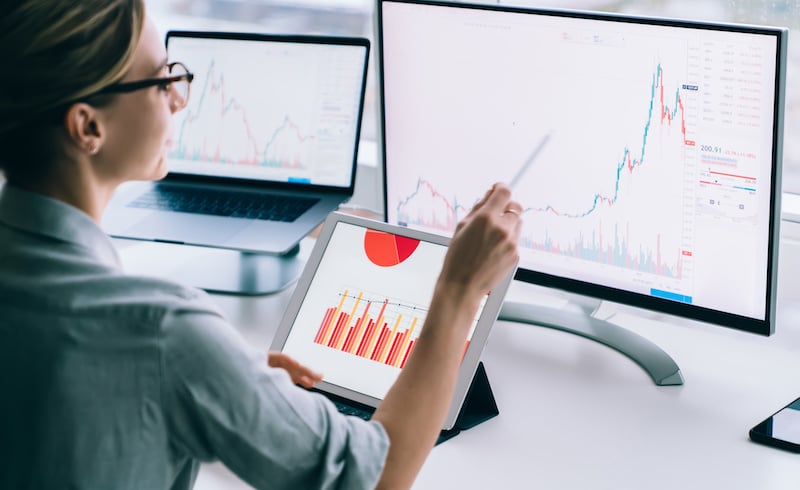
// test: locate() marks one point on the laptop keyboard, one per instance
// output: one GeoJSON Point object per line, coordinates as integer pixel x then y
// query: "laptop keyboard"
{"type": "Point", "coordinates": [269, 207]}
{"type": "Point", "coordinates": [351, 410]}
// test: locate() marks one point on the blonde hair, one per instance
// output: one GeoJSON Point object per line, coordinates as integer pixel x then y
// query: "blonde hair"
{"type": "Point", "coordinates": [58, 52]}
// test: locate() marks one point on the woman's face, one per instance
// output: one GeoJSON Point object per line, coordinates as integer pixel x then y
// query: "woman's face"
{"type": "Point", "coordinates": [138, 125]}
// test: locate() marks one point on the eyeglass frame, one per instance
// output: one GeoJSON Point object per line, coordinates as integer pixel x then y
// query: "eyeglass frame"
{"type": "Point", "coordinates": [127, 87]}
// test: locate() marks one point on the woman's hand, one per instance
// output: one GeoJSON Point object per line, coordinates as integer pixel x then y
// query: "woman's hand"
{"type": "Point", "coordinates": [300, 374]}
{"type": "Point", "coordinates": [484, 246]}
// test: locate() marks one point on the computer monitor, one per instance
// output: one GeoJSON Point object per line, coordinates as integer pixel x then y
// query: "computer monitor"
{"type": "Point", "coordinates": [646, 152]}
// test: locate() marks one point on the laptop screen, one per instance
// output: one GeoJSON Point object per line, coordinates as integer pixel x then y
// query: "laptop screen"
{"type": "Point", "coordinates": [269, 108]}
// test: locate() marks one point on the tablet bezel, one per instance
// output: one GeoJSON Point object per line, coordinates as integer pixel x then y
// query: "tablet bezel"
{"type": "Point", "coordinates": [471, 357]}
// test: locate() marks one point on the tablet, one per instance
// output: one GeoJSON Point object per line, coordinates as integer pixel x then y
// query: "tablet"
{"type": "Point", "coordinates": [360, 305]}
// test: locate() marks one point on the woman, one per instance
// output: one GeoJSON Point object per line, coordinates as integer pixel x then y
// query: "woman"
{"type": "Point", "coordinates": [114, 381]}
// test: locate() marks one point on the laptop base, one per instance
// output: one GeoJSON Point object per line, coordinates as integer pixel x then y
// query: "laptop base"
{"type": "Point", "coordinates": [215, 270]}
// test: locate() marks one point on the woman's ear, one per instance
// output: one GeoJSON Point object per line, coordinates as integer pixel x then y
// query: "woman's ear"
{"type": "Point", "coordinates": [84, 128]}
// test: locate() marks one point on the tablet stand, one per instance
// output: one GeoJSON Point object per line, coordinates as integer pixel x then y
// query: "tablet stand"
{"type": "Point", "coordinates": [479, 406]}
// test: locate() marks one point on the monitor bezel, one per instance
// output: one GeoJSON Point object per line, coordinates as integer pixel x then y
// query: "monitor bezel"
{"type": "Point", "coordinates": [762, 326]}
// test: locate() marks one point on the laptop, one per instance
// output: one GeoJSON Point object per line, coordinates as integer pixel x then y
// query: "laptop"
{"type": "Point", "coordinates": [359, 306]}
{"type": "Point", "coordinates": [265, 149]}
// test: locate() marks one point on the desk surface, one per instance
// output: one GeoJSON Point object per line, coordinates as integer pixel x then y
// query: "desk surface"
{"type": "Point", "coordinates": [575, 414]}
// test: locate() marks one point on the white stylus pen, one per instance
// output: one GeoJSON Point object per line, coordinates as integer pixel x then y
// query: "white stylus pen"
{"type": "Point", "coordinates": [525, 166]}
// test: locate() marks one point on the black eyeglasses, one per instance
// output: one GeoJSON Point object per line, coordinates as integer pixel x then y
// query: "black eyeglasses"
{"type": "Point", "coordinates": [179, 79]}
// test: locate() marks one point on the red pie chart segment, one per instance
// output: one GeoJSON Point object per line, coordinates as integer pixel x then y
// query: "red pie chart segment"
{"type": "Point", "coordinates": [386, 249]}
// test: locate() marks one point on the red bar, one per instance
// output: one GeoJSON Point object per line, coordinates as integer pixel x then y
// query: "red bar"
{"type": "Point", "coordinates": [732, 175]}
{"type": "Point", "coordinates": [329, 328]}
{"type": "Point", "coordinates": [325, 323]}
{"type": "Point", "coordinates": [350, 333]}
{"type": "Point", "coordinates": [397, 353]}
{"type": "Point", "coordinates": [408, 352]}
{"type": "Point", "coordinates": [336, 324]}
{"type": "Point", "coordinates": [371, 337]}
{"type": "Point", "coordinates": [342, 329]}
{"type": "Point", "coordinates": [383, 354]}
{"type": "Point", "coordinates": [384, 337]}
{"type": "Point", "coordinates": [351, 337]}
{"type": "Point", "coordinates": [372, 340]}
{"type": "Point", "coordinates": [406, 338]}
{"type": "Point", "coordinates": [321, 328]}
{"type": "Point", "coordinates": [365, 339]}
{"type": "Point", "coordinates": [359, 323]}
{"type": "Point", "coordinates": [379, 344]}
{"type": "Point", "coordinates": [379, 334]}
{"type": "Point", "coordinates": [398, 337]}
{"type": "Point", "coordinates": [338, 330]}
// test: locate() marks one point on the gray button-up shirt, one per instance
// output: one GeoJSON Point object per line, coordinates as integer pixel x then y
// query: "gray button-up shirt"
{"type": "Point", "coordinates": [110, 381]}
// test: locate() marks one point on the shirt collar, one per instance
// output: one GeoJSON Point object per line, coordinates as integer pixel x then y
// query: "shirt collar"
{"type": "Point", "coordinates": [44, 216]}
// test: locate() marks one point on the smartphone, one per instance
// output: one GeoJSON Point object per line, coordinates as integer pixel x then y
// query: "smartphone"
{"type": "Point", "coordinates": [781, 430]}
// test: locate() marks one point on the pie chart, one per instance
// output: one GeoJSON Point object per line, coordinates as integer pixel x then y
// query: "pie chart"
{"type": "Point", "coordinates": [388, 250]}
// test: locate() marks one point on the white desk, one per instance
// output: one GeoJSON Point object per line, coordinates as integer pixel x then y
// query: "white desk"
{"type": "Point", "coordinates": [575, 414]}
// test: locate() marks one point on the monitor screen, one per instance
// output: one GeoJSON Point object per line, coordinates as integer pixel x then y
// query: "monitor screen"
{"type": "Point", "coordinates": [646, 152]}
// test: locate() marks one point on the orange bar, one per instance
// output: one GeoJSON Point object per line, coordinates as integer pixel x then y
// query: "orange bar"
{"type": "Point", "coordinates": [328, 326]}
{"type": "Point", "coordinates": [326, 339]}
{"type": "Point", "coordinates": [398, 339]}
{"type": "Point", "coordinates": [364, 340]}
{"type": "Point", "coordinates": [395, 352]}
{"type": "Point", "coordinates": [335, 329]}
{"type": "Point", "coordinates": [381, 338]}
{"type": "Point", "coordinates": [408, 352]}
{"type": "Point", "coordinates": [373, 340]}
{"type": "Point", "coordinates": [352, 314]}
{"type": "Point", "coordinates": [337, 332]}
{"type": "Point", "coordinates": [325, 320]}
{"type": "Point", "coordinates": [384, 348]}
{"type": "Point", "coordinates": [361, 327]}
{"type": "Point", "coordinates": [351, 337]}
{"type": "Point", "coordinates": [350, 344]}
{"type": "Point", "coordinates": [347, 338]}
{"type": "Point", "coordinates": [406, 338]}
{"type": "Point", "coordinates": [376, 333]}
{"type": "Point", "coordinates": [342, 330]}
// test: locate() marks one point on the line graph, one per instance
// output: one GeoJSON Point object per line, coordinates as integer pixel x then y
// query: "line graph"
{"type": "Point", "coordinates": [269, 109]}
{"type": "Point", "coordinates": [662, 144]}
{"type": "Point", "coordinates": [430, 208]}
{"type": "Point", "coordinates": [220, 129]}
{"type": "Point", "coordinates": [612, 225]}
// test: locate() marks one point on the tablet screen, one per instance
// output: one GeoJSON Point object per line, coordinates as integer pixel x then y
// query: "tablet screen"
{"type": "Point", "coordinates": [365, 306]}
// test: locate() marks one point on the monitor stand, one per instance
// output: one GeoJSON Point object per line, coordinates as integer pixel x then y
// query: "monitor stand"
{"type": "Point", "coordinates": [215, 270]}
{"type": "Point", "coordinates": [657, 363]}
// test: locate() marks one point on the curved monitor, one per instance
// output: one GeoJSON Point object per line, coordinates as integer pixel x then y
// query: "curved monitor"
{"type": "Point", "coordinates": [646, 152]}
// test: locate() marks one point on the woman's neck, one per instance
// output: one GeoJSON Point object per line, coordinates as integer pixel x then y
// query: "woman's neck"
{"type": "Point", "coordinates": [73, 183]}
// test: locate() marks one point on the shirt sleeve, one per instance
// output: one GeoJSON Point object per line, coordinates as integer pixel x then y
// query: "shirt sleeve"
{"type": "Point", "coordinates": [221, 401]}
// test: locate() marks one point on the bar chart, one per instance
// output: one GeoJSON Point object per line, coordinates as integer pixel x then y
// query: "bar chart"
{"type": "Point", "coordinates": [364, 325]}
